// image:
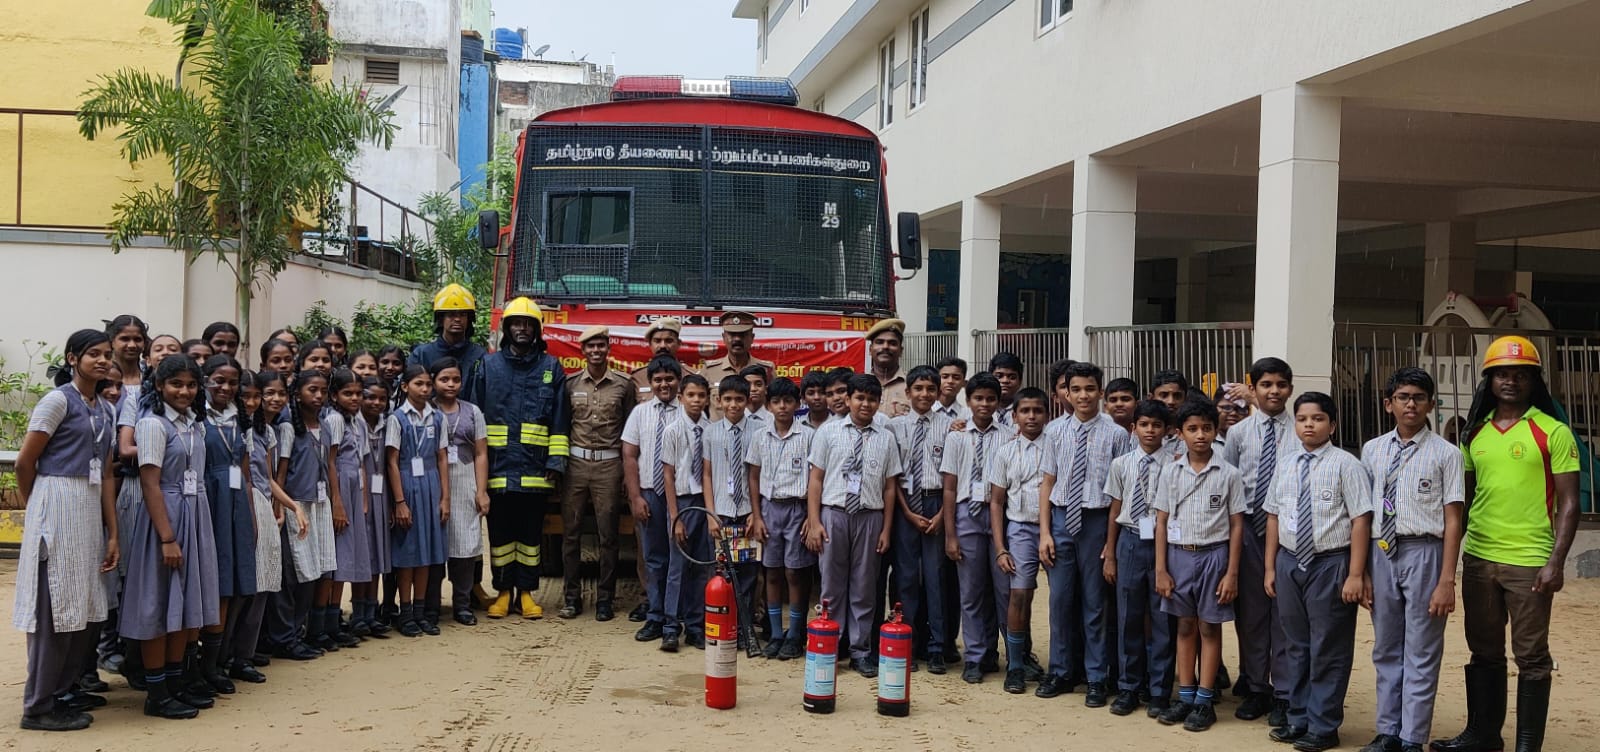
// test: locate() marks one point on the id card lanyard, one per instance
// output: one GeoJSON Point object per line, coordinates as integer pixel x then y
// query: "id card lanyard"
{"type": "Point", "coordinates": [98, 430]}
{"type": "Point", "coordinates": [191, 479]}
{"type": "Point", "coordinates": [419, 435]}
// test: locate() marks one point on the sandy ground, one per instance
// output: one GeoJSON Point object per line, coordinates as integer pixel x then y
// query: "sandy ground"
{"type": "Point", "coordinates": [513, 686]}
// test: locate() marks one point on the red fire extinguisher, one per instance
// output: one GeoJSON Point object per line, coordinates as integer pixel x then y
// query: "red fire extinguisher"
{"type": "Point", "coordinates": [894, 676]}
{"type": "Point", "coordinates": [722, 636]}
{"type": "Point", "coordinates": [822, 662]}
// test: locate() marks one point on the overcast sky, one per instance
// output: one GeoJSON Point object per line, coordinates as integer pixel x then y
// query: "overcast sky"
{"type": "Point", "coordinates": [697, 38]}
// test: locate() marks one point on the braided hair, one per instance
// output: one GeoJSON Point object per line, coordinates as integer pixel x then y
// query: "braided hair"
{"type": "Point", "coordinates": [412, 371]}
{"type": "Point", "coordinates": [342, 377]}
{"type": "Point", "coordinates": [168, 369]}
{"type": "Point", "coordinates": [300, 380]}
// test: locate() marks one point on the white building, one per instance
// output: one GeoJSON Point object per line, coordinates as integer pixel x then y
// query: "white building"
{"type": "Point", "coordinates": [409, 53]}
{"type": "Point", "coordinates": [1290, 163]}
{"type": "Point", "coordinates": [530, 88]}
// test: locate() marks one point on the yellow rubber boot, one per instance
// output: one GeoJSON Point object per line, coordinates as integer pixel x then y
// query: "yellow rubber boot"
{"type": "Point", "coordinates": [501, 605]}
{"type": "Point", "coordinates": [531, 610]}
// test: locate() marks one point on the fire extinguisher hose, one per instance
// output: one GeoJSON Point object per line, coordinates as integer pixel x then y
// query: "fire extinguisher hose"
{"type": "Point", "coordinates": [722, 558]}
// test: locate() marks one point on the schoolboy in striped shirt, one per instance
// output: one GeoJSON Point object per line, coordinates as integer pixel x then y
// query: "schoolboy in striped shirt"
{"type": "Point", "coordinates": [985, 589]}
{"type": "Point", "coordinates": [1418, 493]}
{"type": "Point", "coordinates": [1014, 475]}
{"type": "Point", "coordinates": [919, 535]}
{"type": "Point", "coordinates": [645, 483]}
{"type": "Point", "coordinates": [725, 482]}
{"type": "Point", "coordinates": [778, 476]}
{"type": "Point", "coordinates": [1319, 527]}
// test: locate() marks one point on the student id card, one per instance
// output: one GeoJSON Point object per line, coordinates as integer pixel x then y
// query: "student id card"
{"type": "Point", "coordinates": [96, 470]}
{"type": "Point", "coordinates": [1289, 520]}
{"type": "Point", "coordinates": [852, 483]}
{"type": "Point", "coordinates": [235, 477]}
{"type": "Point", "coordinates": [322, 490]}
{"type": "Point", "coordinates": [1174, 533]}
{"type": "Point", "coordinates": [191, 483]}
{"type": "Point", "coordinates": [416, 467]}
{"type": "Point", "coordinates": [980, 491]}
{"type": "Point", "coordinates": [1147, 528]}
{"type": "Point", "coordinates": [377, 483]}
{"type": "Point", "coordinates": [450, 455]}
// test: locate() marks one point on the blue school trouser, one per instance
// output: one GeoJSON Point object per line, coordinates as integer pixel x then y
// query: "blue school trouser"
{"type": "Point", "coordinates": [1147, 662]}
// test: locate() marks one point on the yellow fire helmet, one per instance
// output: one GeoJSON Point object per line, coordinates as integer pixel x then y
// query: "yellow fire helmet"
{"type": "Point", "coordinates": [1511, 350]}
{"type": "Point", "coordinates": [453, 297]}
{"type": "Point", "coordinates": [523, 307]}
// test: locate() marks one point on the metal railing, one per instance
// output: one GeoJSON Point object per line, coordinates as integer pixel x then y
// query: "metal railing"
{"type": "Point", "coordinates": [928, 348]}
{"type": "Point", "coordinates": [1365, 355]}
{"type": "Point", "coordinates": [1206, 353]}
{"type": "Point", "coordinates": [53, 162]}
{"type": "Point", "coordinates": [1038, 348]}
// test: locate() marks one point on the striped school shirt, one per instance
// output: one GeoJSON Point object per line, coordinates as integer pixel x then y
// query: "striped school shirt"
{"type": "Point", "coordinates": [1123, 478]}
{"type": "Point", "coordinates": [1018, 468]}
{"type": "Point", "coordinates": [677, 450]}
{"type": "Point", "coordinates": [904, 428]}
{"type": "Point", "coordinates": [960, 450]}
{"type": "Point", "coordinates": [782, 459]}
{"type": "Point", "coordinates": [717, 448]}
{"type": "Point", "coordinates": [831, 451]}
{"type": "Point", "coordinates": [640, 431]}
{"type": "Point", "coordinates": [1198, 504]}
{"type": "Point", "coordinates": [1106, 442]}
{"type": "Point", "coordinates": [1430, 479]}
{"type": "Point", "coordinates": [1341, 491]}
{"type": "Point", "coordinates": [1246, 441]}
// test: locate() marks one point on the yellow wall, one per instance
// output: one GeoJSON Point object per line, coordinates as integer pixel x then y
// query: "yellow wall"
{"type": "Point", "coordinates": [54, 51]}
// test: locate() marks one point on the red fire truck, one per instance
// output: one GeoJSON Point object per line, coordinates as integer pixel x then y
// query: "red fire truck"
{"type": "Point", "coordinates": [685, 197]}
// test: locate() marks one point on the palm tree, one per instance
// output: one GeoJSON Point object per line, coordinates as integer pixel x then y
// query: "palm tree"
{"type": "Point", "coordinates": [253, 139]}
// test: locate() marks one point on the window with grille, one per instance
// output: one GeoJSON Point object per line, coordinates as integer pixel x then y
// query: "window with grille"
{"type": "Point", "coordinates": [701, 215]}
{"type": "Point", "coordinates": [919, 60]}
{"type": "Point", "coordinates": [383, 71]}
{"type": "Point", "coordinates": [886, 84]}
{"type": "Point", "coordinates": [1052, 11]}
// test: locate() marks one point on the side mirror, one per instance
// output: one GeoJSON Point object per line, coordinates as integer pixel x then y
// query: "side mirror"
{"type": "Point", "coordinates": [908, 226]}
{"type": "Point", "coordinates": [489, 229]}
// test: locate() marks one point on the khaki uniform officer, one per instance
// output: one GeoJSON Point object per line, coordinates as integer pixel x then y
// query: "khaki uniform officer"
{"type": "Point", "coordinates": [738, 331]}
{"type": "Point", "coordinates": [664, 336]}
{"type": "Point", "coordinates": [884, 342]}
{"type": "Point", "coordinates": [599, 400]}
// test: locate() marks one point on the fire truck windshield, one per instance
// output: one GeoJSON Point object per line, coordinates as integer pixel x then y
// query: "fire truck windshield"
{"type": "Point", "coordinates": [701, 215]}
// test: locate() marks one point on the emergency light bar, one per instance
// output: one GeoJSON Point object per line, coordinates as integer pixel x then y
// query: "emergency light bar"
{"type": "Point", "coordinates": [746, 88]}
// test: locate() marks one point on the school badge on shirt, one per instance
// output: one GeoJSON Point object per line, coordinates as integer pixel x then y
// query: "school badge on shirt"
{"type": "Point", "coordinates": [1215, 501]}
{"type": "Point", "coordinates": [1425, 486]}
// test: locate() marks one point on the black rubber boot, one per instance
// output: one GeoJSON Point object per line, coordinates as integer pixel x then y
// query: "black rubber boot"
{"type": "Point", "coordinates": [1486, 712]}
{"type": "Point", "coordinates": [210, 671]}
{"type": "Point", "coordinates": [1533, 707]}
{"type": "Point", "coordinates": [194, 683]}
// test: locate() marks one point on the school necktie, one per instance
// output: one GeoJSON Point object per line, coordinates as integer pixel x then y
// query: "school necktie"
{"type": "Point", "coordinates": [1076, 482]}
{"type": "Point", "coordinates": [697, 464]}
{"type": "Point", "coordinates": [852, 466]}
{"type": "Point", "coordinates": [660, 481]}
{"type": "Point", "coordinates": [1388, 527]}
{"type": "Point", "coordinates": [736, 471]}
{"type": "Point", "coordinates": [919, 441]}
{"type": "Point", "coordinates": [976, 503]}
{"type": "Point", "coordinates": [1305, 540]}
{"type": "Point", "coordinates": [1141, 506]}
{"type": "Point", "coordinates": [1266, 466]}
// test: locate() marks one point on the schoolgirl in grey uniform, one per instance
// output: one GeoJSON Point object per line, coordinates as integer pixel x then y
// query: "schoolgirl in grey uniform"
{"type": "Point", "coordinates": [130, 341]}
{"type": "Point", "coordinates": [467, 453]}
{"type": "Point", "coordinates": [171, 590]}
{"type": "Point", "coordinates": [352, 542]}
{"type": "Point", "coordinates": [69, 537]}
{"type": "Point", "coordinates": [414, 443]}
{"type": "Point", "coordinates": [306, 445]}
{"type": "Point", "coordinates": [232, 514]}
{"type": "Point", "coordinates": [374, 423]}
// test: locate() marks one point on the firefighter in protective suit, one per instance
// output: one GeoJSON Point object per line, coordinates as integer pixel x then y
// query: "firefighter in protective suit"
{"type": "Point", "coordinates": [454, 310]}
{"type": "Point", "coordinates": [523, 397]}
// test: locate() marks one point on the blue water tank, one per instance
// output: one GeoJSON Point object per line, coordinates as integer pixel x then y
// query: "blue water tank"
{"type": "Point", "coordinates": [471, 49]}
{"type": "Point", "coordinates": [508, 44]}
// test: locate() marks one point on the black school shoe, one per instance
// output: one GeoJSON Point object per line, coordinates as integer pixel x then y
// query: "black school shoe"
{"type": "Point", "coordinates": [243, 671]}
{"type": "Point", "coordinates": [1095, 695]}
{"type": "Point", "coordinates": [650, 632]}
{"type": "Point", "coordinates": [1015, 682]}
{"type": "Point", "coordinates": [1278, 717]}
{"type": "Point", "coordinates": [1050, 686]}
{"type": "Point", "coordinates": [429, 627]}
{"type": "Point", "coordinates": [1255, 705]}
{"type": "Point", "coordinates": [793, 647]}
{"type": "Point", "coordinates": [261, 660]}
{"type": "Point", "coordinates": [936, 664]}
{"type": "Point", "coordinates": [1127, 701]}
{"type": "Point", "coordinates": [1155, 706]}
{"type": "Point", "coordinates": [971, 673]}
{"type": "Point", "coordinates": [639, 613]}
{"type": "Point", "coordinates": [604, 611]}
{"type": "Point", "coordinates": [989, 664]}
{"type": "Point", "coordinates": [669, 643]}
{"type": "Point", "coordinates": [1203, 716]}
{"type": "Point", "coordinates": [773, 648]}
{"type": "Point", "coordinates": [1287, 734]}
{"type": "Point", "coordinates": [1032, 671]}
{"type": "Point", "coordinates": [1383, 743]}
{"type": "Point", "coordinates": [1175, 714]}
{"type": "Point", "coordinates": [78, 702]}
{"type": "Point", "coordinates": [91, 682]}
{"type": "Point", "coordinates": [695, 640]}
{"type": "Point", "coordinates": [867, 668]}
{"type": "Point", "coordinates": [1317, 742]}
{"type": "Point", "coordinates": [464, 617]}
{"type": "Point", "coordinates": [59, 719]}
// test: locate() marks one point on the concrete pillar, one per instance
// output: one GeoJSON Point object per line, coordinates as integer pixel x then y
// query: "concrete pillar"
{"type": "Point", "coordinates": [978, 303]}
{"type": "Point", "coordinates": [1450, 261]}
{"type": "Point", "coordinates": [1194, 272]}
{"type": "Point", "coordinates": [1297, 213]}
{"type": "Point", "coordinates": [1104, 209]}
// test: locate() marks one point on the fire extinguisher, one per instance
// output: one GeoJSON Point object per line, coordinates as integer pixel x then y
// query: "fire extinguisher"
{"type": "Point", "coordinates": [894, 676]}
{"type": "Point", "coordinates": [722, 636]}
{"type": "Point", "coordinates": [822, 662]}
